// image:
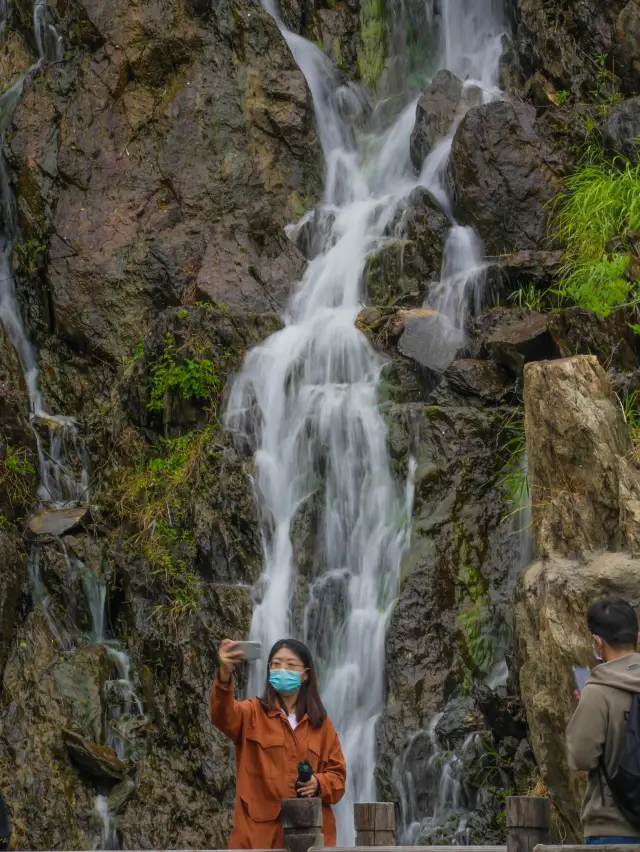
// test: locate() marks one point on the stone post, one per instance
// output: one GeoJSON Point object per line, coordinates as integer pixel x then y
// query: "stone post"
{"type": "Point", "coordinates": [528, 822]}
{"type": "Point", "coordinates": [375, 823]}
{"type": "Point", "coordinates": [302, 821]}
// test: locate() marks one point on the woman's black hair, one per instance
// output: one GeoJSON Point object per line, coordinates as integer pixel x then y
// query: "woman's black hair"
{"type": "Point", "coordinates": [309, 700]}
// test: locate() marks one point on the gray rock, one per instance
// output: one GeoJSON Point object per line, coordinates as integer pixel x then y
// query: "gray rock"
{"type": "Point", "coordinates": [586, 492]}
{"type": "Point", "coordinates": [435, 114]}
{"type": "Point", "coordinates": [100, 762]}
{"type": "Point", "coordinates": [515, 344]}
{"type": "Point", "coordinates": [505, 174]}
{"type": "Point", "coordinates": [483, 379]}
{"type": "Point", "coordinates": [621, 131]}
{"type": "Point", "coordinates": [460, 718]}
{"type": "Point", "coordinates": [555, 41]}
{"type": "Point", "coordinates": [59, 522]}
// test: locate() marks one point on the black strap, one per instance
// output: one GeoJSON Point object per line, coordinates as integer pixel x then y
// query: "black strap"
{"type": "Point", "coordinates": [632, 819]}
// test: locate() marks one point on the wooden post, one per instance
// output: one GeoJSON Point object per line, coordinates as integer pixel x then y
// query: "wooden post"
{"type": "Point", "coordinates": [528, 822]}
{"type": "Point", "coordinates": [302, 821]}
{"type": "Point", "coordinates": [375, 823]}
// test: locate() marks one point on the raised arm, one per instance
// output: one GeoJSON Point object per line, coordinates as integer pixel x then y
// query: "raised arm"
{"type": "Point", "coordinates": [334, 777]}
{"type": "Point", "coordinates": [225, 712]}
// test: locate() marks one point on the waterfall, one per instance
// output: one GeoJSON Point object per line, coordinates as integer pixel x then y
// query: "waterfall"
{"type": "Point", "coordinates": [63, 461]}
{"type": "Point", "coordinates": [306, 400]}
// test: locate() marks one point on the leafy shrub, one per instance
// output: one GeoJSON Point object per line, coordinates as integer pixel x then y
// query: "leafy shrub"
{"type": "Point", "coordinates": [192, 379]}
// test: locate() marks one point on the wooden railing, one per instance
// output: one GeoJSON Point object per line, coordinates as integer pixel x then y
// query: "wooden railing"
{"type": "Point", "coordinates": [528, 821]}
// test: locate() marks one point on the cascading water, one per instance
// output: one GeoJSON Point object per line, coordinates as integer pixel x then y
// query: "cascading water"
{"type": "Point", "coordinates": [306, 401]}
{"type": "Point", "coordinates": [63, 459]}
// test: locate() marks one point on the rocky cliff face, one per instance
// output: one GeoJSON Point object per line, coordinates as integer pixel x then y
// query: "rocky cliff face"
{"type": "Point", "coordinates": [155, 167]}
{"type": "Point", "coordinates": [585, 488]}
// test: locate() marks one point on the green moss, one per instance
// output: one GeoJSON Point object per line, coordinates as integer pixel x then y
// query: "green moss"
{"type": "Point", "coordinates": [154, 498]}
{"type": "Point", "coordinates": [371, 55]}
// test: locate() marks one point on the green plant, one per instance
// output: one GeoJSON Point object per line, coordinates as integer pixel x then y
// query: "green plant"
{"type": "Point", "coordinates": [371, 56]}
{"type": "Point", "coordinates": [602, 205]}
{"type": "Point", "coordinates": [474, 621]}
{"type": "Point", "coordinates": [16, 473]}
{"type": "Point", "coordinates": [562, 97]}
{"type": "Point", "coordinates": [607, 88]}
{"type": "Point", "coordinates": [26, 255]}
{"type": "Point", "coordinates": [190, 378]}
{"type": "Point", "coordinates": [154, 498]}
{"type": "Point", "coordinates": [513, 480]}
{"type": "Point", "coordinates": [631, 410]}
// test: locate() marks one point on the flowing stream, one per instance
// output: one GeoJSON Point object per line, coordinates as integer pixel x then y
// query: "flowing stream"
{"type": "Point", "coordinates": [307, 399]}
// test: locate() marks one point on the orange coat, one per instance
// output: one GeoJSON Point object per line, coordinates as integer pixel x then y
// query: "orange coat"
{"type": "Point", "coordinates": [267, 755]}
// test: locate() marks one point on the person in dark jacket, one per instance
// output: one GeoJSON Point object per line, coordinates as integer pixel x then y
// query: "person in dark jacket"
{"type": "Point", "coordinates": [597, 730]}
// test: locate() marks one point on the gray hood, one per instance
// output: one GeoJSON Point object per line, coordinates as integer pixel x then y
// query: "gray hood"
{"type": "Point", "coordinates": [623, 673]}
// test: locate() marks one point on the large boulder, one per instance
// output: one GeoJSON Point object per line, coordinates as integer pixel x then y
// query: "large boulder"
{"type": "Point", "coordinates": [505, 174]}
{"type": "Point", "coordinates": [585, 494]}
{"type": "Point", "coordinates": [435, 114]}
{"type": "Point", "coordinates": [586, 490]}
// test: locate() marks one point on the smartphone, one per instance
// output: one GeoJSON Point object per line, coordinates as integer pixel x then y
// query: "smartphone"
{"type": "Point", "coordinates": [581, 673]}
{"type": "Point", "coordinates": [252, 650]}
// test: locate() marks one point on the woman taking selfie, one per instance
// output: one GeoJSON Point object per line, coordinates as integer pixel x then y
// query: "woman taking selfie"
{"type": "Point", "coordinates": [272, 735]}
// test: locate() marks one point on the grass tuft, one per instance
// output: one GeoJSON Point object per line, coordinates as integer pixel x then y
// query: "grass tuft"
{"type": "Point", "coordinates": [596, 220]}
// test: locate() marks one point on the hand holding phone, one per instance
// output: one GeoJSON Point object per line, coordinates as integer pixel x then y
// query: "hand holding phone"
{"type": "Point", "coordinates": [580, 673]}
{"type": "Point", "coordinates": [233, 653]}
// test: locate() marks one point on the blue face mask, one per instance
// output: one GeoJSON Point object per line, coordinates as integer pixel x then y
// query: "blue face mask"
{"type": "Point", "coordinates": [285, 682]}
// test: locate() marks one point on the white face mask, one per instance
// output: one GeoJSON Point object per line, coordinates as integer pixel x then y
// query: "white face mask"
{"type": "Point", "coordinates": [596, 653]}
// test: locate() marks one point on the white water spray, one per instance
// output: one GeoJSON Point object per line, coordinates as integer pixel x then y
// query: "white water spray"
{"type": "Point", "coordinates": [306, 402]}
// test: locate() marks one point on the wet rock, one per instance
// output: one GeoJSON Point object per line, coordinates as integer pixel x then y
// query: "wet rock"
{"type": "Point", "coordinates": [12, 588]}
{"type": "Point", "coordinates": [14, 398]}
{"type": "Point", "coordinates": [120, 795]}
{"type": "Point", "coordinates": [45, 690]}
{"type": "Point", "coordinates": [516, 344]}
{"type": "Point", "coordinates": [577, 331]}
{"type": "Point", "coordinates": [429, 339]}
{"type": "Point", "coordinates": [402, 267]}
{"type": "Point", "coordinates": [59, 522]}
{"type": "Point", "coordinates": [628, 32]}
{"type": "Point", "coordinates": [457, 511]}
{"type": "Point", "coordinates": [99, 762]}
{"type": "Point", "coordinates": [527, 265]}
{"type": "Point", "coordinates": [505, 174]}
{"type": "Point", "coordinates": [621, 130]}
{"type": "Point", "coordinates": [483, 379]}
{"type": "Point", "coordinates": [311, 234]}
{"type": "Point", "coordinates": [435, 114]}
{"type": "Point", "coordinates": [459, 719]}
{"type": "Point", "coordinates": [199, 333]}
{"type": "Point", "coordinates": [555, 41]}
{"type": "Point", "coordinates": [587, 492]}
{"type": "Point", "coordinates": [504, 718]}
